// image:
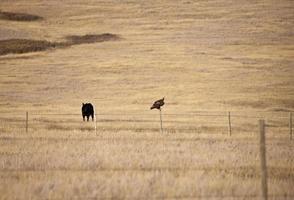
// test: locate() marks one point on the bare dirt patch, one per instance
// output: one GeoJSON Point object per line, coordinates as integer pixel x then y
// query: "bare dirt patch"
{"type": "Point", "coordinates": [19, 16]}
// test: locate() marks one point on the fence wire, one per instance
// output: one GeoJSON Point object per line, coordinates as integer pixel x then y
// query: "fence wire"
{"type": "Point", "coordinates": [210, 122]}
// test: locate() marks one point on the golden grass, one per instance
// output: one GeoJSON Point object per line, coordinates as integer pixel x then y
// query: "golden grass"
{"type": "Point", "coordinates": [59, 164]}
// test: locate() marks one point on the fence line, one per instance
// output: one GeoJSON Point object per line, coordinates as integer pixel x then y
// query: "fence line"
{"type": "Point", "coordinates": [19, 168]}
{"type": "Point", "coordinates": [201, 196]}
{"type": "Point", "coordinates": [217, 119]}
{"type": "Point", "coordinates": [210, 196]}
{"type": "Point", "coordinates": [164, 114]}
{"type": "Point", "coordinates": [191, 113]}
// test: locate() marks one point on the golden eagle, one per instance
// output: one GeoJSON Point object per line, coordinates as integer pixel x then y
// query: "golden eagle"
{"type": "Point", "coordinates": [157, 104]}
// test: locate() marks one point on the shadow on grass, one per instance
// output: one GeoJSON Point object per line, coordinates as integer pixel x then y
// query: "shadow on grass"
{"type": "Point", "coordinates": [24, 46]}
{"type": "Point", "coordinates": [19, 16]}
{"type": "Point", "coordinates": [19, 46]}
{"type": "Point", "coordinates": [84, 39]}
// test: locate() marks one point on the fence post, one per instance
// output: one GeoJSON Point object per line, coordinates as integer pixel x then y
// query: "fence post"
{"type": "Point", "coordinates": [290, 125]}
{"type": "Point", "coordinates": [95, 123]}
{"type": "Point", "coordinates": [262, 148]}
{"type": "Point", "coordinates": [230, 126]}
{"type": "Point", "coordinates": [160, 120]}
{"type": "Point", "coordinates": [27, 121]}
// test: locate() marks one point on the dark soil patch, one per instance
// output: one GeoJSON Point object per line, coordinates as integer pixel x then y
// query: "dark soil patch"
{"type": "Point", "coordinates": [19, 46]}
{"type": "Point", "coordinates": [19, 16]}
{"type": "Point", "coordinates": [74, 39]}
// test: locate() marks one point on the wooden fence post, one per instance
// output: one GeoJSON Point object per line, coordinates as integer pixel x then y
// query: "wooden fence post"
{"type": "Point", "coordinates": [290, 125]}
{"type": "Point", "coordinates": [95, 120]}
{"type": "Point", "coordinates": [230, 125]}
{"type": "Point", "coordinates": [27, 121]}
{"type": "Point", "coordinates": [160, 121]}
{"type": "Point", "coordinates": [262, 149]}
{"type": "Point", "coordinates": [95, 123]}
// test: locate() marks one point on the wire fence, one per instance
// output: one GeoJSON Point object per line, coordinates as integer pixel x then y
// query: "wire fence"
{"type": "Point", "coordinates": [213, 197]}
{"type": "Point", "coordinates": [278, 124]}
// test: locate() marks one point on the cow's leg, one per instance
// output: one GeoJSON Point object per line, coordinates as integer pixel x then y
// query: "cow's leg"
{"type": "Point", "coordinates": [92, 117]}
{"type": "Point", "coordinates": [83, 117]}
{"type": "Point", "coordinates": [88, 117]}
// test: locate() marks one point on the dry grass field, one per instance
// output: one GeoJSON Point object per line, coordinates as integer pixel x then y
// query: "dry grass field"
{"type": "Point", "coordinates": [205, 57]}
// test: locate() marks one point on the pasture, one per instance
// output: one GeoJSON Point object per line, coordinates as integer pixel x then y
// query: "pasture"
{"type": "Point", "coordinates": [205, 57]}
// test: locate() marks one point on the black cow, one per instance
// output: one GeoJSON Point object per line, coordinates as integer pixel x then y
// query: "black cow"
{"type": "Point", "coordinates": [87, 111]}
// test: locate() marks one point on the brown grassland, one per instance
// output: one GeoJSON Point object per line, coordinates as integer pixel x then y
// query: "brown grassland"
{"type": "Point", "coordinates": [205, 57]}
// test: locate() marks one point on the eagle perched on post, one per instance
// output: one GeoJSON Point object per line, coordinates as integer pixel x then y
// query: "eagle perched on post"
{"type": "Point", "coordinates": [157, 104]}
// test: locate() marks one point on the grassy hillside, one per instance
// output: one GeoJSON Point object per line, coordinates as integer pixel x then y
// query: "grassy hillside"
{"type": "Point", "coordinates": [200, 55]}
